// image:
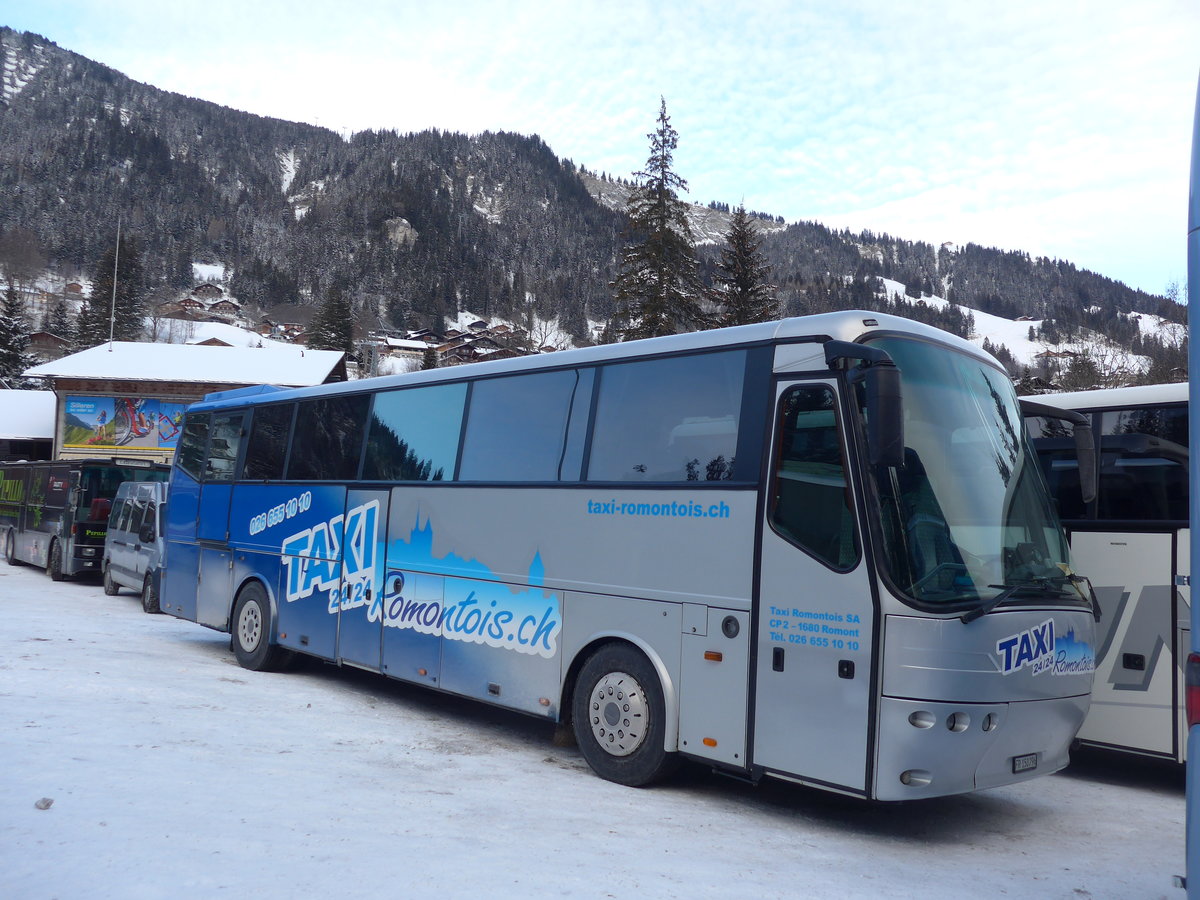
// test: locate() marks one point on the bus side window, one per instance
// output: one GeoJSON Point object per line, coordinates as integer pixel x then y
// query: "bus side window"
{"type": "Point", "coordinates": [192, 444]}
{"type": "Point", "coordinates": [517, 428]}
{"type": "Point", "coordinates": [266, 450]}
{"type": "Point", "coordinates": [810, 498]}
{"type": "Point", "coordinates": [1144, 460]}
{"type": "Point", "coordinates": [683, 429]}
{"type": "Point", "coordinates": [328, 438]}
{"type": "Point", "coordinates": [223, 447]}
{"type": "Point", "coordinates": [414, 434]}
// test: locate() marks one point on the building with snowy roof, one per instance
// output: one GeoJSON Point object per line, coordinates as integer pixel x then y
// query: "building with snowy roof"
{"type": "Point", "coordinates": [128, 398]}
{"type": "Point", "coordinates": [27, 426]}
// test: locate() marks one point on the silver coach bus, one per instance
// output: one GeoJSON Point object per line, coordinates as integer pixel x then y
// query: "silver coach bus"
{"type": "Point", "coordinates": [817, 549]}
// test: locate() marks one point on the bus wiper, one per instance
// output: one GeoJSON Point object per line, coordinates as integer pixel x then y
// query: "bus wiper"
{"type": "Point", "coordinates": [1041, 583]}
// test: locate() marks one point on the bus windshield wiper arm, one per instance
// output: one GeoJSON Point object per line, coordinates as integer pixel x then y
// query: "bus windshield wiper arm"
{"type": "Point", "coordinates": [1043, 584]}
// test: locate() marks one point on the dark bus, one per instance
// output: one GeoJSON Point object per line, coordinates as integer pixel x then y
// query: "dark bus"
{"type": "Point", "coordinates": [55, 514]}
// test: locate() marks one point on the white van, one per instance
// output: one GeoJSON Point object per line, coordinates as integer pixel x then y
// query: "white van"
{"type": "Point", "coordinates": [133, 546]}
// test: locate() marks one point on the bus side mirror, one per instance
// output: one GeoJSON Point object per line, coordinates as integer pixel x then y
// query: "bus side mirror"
{"type": "Point", "coordinates": [884, 405]}
{"type": "Point", "coordinates": [885, 415]}
{"type": "Point", "coordinates": [1081, 431]}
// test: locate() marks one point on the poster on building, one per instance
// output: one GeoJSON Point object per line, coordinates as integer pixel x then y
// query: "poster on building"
{"type": "Point", "coordinates": [110, 422]}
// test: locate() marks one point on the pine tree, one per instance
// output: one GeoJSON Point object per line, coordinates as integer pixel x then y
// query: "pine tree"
{"type": "Point", "coordinates": [126, 310]}
{"type": "Point", "coordinates": [657, 289]}
{"type": "Point", "coordinates": [15, 357]}
{"type": "Point", "coordinates": [429, 359]}
{"type": "Point", "coordinates": [333, 327]}
{"type": "Point", "coordinates": [741, 287]}
{"type": "Point", "coordinates": [57, 320]}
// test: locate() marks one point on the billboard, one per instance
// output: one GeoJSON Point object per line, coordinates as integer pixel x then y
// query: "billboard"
{"type": "Point", "coordinates": [110, 422]}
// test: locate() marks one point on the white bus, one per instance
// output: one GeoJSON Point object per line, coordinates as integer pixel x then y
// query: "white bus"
{"type": "Point", "coordinates": [1133, 542]}
{"type": "Point", "coordinates": [819, 549]}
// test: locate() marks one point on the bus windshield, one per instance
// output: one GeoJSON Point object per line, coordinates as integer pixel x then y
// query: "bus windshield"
{"type": "Point", "coordinates": [968, 516]}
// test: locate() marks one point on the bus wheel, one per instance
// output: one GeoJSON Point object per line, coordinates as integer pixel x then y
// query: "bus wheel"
{"type": "Point", "coordinates": [110, 586]}
{"type": "Point", "coordinates": [54, 564]}
{"type": "Point", "coordinates": [10, 549]}
{"type": "Point", "coordinates": [149, 595]}
{"type": "Point", "coordinates": [252, 632]}
{"type": "Point", "coordinates": [620, 717]}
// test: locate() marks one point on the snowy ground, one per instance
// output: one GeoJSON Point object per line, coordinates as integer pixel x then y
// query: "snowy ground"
{"type": "Point", "coordinates": [174, 773]}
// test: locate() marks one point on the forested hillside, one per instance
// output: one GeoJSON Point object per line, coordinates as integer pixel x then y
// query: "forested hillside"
{"type": "Point", "coordinates": [414, 227]}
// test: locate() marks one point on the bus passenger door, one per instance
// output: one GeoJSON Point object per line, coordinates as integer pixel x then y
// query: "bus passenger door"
{"type": "Point", "coordinates": [364, 558]}
{"type": "Point", "coordinates": [815, 611]}
{"type": "Point", "coordinates": [215, 583]}
{"type": "Point", "coordinates": [1133, 694]}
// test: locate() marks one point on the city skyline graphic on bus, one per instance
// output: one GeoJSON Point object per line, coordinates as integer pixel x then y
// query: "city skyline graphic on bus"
{"type": "Point", "coordinates": [131, 422]}
{"type": "Point", "coordinates": [461, 599]}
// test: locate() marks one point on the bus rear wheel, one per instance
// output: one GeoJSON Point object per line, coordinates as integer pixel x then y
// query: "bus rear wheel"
{"type": "Point", "coordinates": [252, 632]}
{"type": "Point", "coordinates": [619, 717]}
{"type": "Point", "coordinates": [10, 549]}
{"type": "Point", "coordinates": [150, 596]}
{"type": "Point", "coordinates": [54, 567]}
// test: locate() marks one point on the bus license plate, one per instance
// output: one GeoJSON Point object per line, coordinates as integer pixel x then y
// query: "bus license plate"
{"type": "Point", "coordinates": [1026, 763]}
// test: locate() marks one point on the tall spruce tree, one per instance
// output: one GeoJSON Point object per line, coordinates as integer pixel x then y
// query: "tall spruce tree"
{"type": "Point", "coordinates": [657, 289]}
{"type": "Point", "coordinates": [15, 357]}
{"type": "Point", "coordinates": [741, 289]}
{"type": "Point", "coordinates": [127, 309]}
{"type": "Point", "coordinates": [333, 326]}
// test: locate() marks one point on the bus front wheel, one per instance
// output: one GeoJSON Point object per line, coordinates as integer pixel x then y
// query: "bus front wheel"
{"type": "Point", "coordinates": [54, 567]}
{"type": "Point", "coordinates": [110, 586]}
{"type": "Point", "coordinates": [619, 717]}
{"type": "Point", "coordinates": [252, 632]}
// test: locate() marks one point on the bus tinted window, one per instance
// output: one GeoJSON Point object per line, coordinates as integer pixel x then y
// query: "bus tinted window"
{"type": "Point", "coordinates": [811, 498]}
{"type": "Point", "coordinates": [517, 428]}
{"type": "Point", "coordinates": [1059, 460]}
{"type": "Point", "coordinates": [414, 434]}
{"type": "Point", "coordinates": [668, 419]}
{"type": "Point", "coordinates": [266, 450]}
{"type": "Point", "coordinates": [328, 438]}
{"type": "Point", "coordinates": [192, 444]}
{"type": "Point", "coordinates": [1144, 459]}
{"type": "Point", "coordinates": [223, 446]}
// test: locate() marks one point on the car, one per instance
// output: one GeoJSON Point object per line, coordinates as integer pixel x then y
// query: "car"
{"type": "Point", "coordinates": [133, 546]}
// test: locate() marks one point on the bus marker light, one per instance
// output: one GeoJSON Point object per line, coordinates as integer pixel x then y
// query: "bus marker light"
{"type": "Point", "coordinates": [714, 655]}
{"type": "Point", "coordinates": [544, 701]}
{"type": "Point", "coordinates": [422, 672]}
{"type": "Point", "coordinates": [710, 742]}
{"type": "Point", "coordinates": [1192, 681]}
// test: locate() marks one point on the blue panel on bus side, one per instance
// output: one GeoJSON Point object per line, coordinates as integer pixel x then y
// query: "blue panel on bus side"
{"type": "Point", "coordinates": [177, 590]}
{"type": "Point", "coordinates": [364, 558]}
{"type": "Point", "coordinates": [497, 641]}
{"type": "Point", "coordinates": [213, 524]}
{"type": "Point", "coordinates": [182, 564]}
{"type": "Point", "coordinates": [309, 541]}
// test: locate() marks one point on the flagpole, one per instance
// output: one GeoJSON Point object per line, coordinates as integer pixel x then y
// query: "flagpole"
{"type": "Point", "coordinates": [112, 312]}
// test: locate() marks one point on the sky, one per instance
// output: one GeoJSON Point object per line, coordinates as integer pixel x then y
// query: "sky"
{"type": "Point", "coordinates": [1062, 128]}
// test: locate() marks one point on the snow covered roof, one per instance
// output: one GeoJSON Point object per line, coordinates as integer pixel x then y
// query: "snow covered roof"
{"type": "Point", "coordinates": [27, 415]}
{"type": "Point", "coordinates": [123, 360]}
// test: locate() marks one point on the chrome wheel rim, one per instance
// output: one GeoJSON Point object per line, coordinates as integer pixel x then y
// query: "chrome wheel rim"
{"type": "Point", "coordinates": [250, 627]}
{"type": "Point", "coordinates": [618, 714]}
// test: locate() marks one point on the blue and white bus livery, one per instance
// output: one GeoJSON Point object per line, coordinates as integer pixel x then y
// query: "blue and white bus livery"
{"type": "Point", "coordinates": [817, 549]}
